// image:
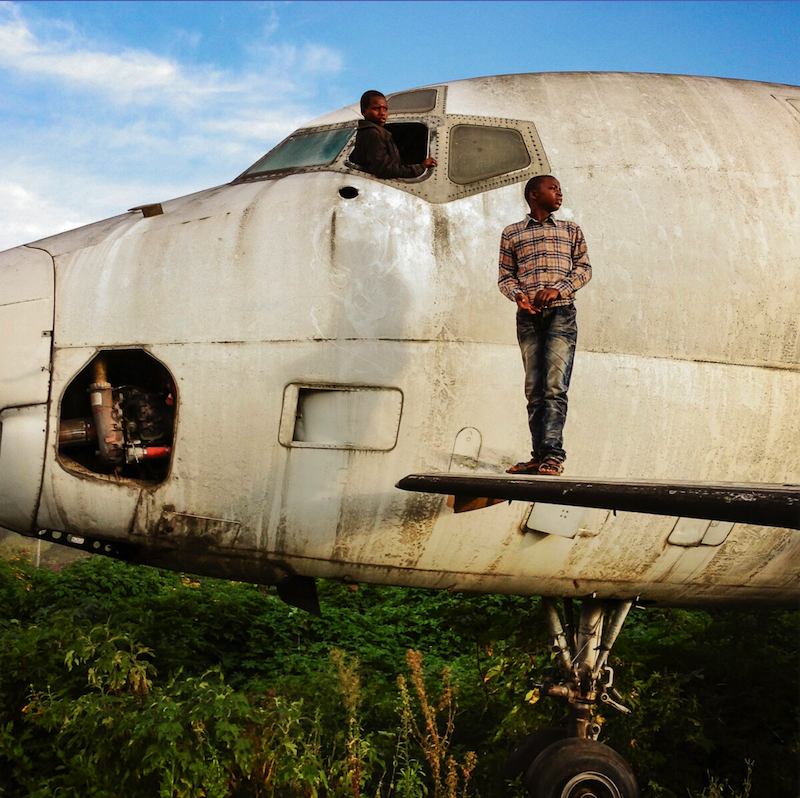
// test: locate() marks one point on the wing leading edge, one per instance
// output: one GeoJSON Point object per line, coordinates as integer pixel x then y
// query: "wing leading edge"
{"type": "Point", "coordinates": [760, 504]}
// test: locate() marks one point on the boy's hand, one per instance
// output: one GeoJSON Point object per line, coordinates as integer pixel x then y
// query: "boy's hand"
{"type": "Point", "coordinates": [429, 162]}
{"type": "Point", "coordinates": [544, 296]}
{"type": "Point", "coordinates": [525, 304]}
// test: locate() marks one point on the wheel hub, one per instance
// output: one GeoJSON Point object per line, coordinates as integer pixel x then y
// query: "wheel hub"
{"type": "Point", "coordinates": [590, 785]}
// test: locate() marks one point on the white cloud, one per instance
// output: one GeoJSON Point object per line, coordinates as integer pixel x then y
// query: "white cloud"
{"type": "Point", "coordinates": [138, 76]}
{"type": "Point", "coordinates": [132, 76]}
{"type": "Point", "coordinates": [190, 37]}
{"type": "Point", "coordinates": [271, 25]}
{"type": "Point", "coordinates": [90, 129]}
{"type": "Point", "coordinates": [257, 125]}
{"type": "Point", "coordinates": [27, 215]}
{"type": "Point", "coordinates": [307, 60]}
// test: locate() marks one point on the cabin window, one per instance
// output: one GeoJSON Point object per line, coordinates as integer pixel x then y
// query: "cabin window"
{"type": "Point", "coordinates": [411, 139]}
{"type": "Point", "coordinates": [306, 149]}
{"type": "Point", "coordinates": [412, 102]}
{"type": "Point", "coordinates": [478, 153]}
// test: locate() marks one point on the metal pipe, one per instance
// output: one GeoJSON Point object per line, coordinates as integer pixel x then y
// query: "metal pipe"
{"type": "Point", "coordinates": [580, 719]}
{"type": "Point", "coordinates": [569, 622]}
{"type": "Point", "coordinates": [557, 632]}
{"type": "Point", "coordinates": [590, 629]}
{"type": "Point", "coordinates": [99, 370]}
{"type": "Point", "coordinates": [107, 417]}
{"type": "Point", "coordinates": [76, 432]}
{"type": "Point", "coordinates": [612, 632]}
{"type": "Point", "coordinates": [134, 454]}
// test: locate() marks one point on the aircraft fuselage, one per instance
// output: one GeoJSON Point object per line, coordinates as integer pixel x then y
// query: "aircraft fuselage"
{"type": "Point", "coordinates": [325, 333]}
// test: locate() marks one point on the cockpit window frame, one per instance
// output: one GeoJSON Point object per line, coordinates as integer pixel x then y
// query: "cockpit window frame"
{"type": "Point", "coordinates": [298, 137]}
{"type": "Point", "coordinates": [465, 171]}
{"type": "Point", "coordinates": [539, 163]}
{"type": "Point", "coordinates": [426, 175]}
{"type": "Point", "coordinates": [436, 109]}
{"type": "Point", "coordinates": [244, 177]}
{"type": "Point", "coordinates": [435, 185]}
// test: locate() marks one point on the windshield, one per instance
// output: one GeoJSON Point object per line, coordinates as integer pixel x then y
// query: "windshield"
{"type": "Point", "coordinates": [305, 149]}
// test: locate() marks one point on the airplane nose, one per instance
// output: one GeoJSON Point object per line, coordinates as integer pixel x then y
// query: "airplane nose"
{"type": "Point", "coordinates": [26, 333]}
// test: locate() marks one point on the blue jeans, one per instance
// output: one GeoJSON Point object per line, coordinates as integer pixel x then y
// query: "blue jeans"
{"type": "Point", "coordinates": [547, 340]}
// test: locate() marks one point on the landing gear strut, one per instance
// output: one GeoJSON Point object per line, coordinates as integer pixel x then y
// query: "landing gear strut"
{"type": "Point", "coordinates": [579, 766]}
{"type": "Point", "coordinates": [583, 657]}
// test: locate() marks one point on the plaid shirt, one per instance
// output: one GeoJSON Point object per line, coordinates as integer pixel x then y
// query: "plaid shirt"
{"type": "Point", "coordinates": [548, 254]}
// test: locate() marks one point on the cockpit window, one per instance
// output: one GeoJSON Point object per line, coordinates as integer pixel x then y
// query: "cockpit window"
{"type": "Point", "coordinates": [478, 153]}
{"type": "Point", "coordinates": [306, 149]}
{"type": "Point", "coordinates": [412, 102]}
{"type": "Point", "coordinates": [411, 139]}
{"type": "Point", "coordinates": [475, 153]}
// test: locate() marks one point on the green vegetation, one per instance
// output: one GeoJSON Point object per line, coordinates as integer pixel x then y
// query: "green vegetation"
{"type": "Point", "coordinates": [129, 681]}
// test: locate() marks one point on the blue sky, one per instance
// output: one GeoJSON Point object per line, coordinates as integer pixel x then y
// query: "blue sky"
{"type": "Point", "coordinates": [108, 105]}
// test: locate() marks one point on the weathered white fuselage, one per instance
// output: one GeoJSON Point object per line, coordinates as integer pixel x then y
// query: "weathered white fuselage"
{"type": "Point", "coordinates": [688, 366]}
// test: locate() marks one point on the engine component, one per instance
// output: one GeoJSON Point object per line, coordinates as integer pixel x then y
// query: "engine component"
{"type": "Point", "coordinates": [107, 415]}
{"type": "Point", "coordinates": [76, 432]}
{"type": "Point", "coordinates": [131, 397]}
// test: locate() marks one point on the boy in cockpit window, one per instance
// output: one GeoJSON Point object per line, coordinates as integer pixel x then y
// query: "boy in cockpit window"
{"type": "Point", "coordinates": [375, 150]}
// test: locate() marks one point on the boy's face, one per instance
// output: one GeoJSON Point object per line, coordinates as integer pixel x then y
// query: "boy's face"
{"type": "Point", "coordinates": [547, 195]}
{"type": "Point", "coordinates": [377, 111]}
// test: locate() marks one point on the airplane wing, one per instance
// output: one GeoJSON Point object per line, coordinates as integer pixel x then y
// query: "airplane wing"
{"type": "Point", "coordinates": [754, 503]}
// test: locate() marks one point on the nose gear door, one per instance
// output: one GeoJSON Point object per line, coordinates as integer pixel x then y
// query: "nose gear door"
{"type": "Point", "coordinates": [27, 285]}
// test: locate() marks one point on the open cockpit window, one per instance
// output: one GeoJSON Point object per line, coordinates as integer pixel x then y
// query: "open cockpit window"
{"type": "Point", "coordinates": [303, 149]}
{"type": "Point", "coordinates": [411, 139]}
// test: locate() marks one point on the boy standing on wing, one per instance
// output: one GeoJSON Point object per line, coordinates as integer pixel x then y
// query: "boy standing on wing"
{"type": "Point", "coordinates": [543, 262]}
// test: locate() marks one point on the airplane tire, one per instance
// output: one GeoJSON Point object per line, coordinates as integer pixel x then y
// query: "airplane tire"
{"type": "Point", "coordinates": [527, 749]}
{"type": "Point", "coordinates": [576, 767]}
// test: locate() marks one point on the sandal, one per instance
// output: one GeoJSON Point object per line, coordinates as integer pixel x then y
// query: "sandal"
{"type": "Point", "coordinates": [551, 467]}
{"type": "Point", "coordinates": [531, 467]}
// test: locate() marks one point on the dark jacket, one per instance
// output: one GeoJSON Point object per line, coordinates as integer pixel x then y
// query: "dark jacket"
{"type": "Point", "coordinates": [377, 153]}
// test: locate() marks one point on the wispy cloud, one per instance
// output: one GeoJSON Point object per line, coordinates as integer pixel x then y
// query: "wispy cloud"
{"type": "Point", "coordinates": [27, 215]}
{"type": "Point", "coordinates": [125, 119]}
{"type": "Point", "coordinates": [129, 76]}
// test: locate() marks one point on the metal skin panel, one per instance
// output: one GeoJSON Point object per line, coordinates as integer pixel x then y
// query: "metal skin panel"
{"type": "Point", "coordinates": [26, 321]}
{"type": "Point", "coordinates": [26, 326]}
{"type": "Point", "coordinates": [688, 531]}
{"type": "Point", "coordinates": [688, 192]}
{"type": "Point", "coordinates": [555, 520]}
{"type": "Point", "coordinates": [22, 432]}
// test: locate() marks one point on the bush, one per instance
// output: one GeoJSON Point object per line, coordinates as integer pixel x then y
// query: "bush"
{"type": "Point", "coordinates": [116, 680]}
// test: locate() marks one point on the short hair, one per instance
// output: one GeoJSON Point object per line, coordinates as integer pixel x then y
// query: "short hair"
{"type": "Point", "coordinates": [535, 182]}
{"type": "Point", "coordinates": [367, 96]}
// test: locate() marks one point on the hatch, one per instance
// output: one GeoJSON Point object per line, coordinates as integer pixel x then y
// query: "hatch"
{"type": "Point", "coordinates": [26, 318]}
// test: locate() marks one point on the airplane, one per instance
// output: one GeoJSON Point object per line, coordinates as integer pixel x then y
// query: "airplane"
{"type": "Point", "coordinates": [232, 383]}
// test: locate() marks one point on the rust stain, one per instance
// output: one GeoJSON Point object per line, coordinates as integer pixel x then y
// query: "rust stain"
{"type": "Point", "coordinates": [199, 532]}
{"type": "Point", "coordinates": [418, 517]}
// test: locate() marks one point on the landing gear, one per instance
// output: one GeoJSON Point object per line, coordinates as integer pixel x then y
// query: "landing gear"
{"type": "Point", "coordinates": [579, 766]}
{"type": "Point", "coordinates": [527, 749]}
